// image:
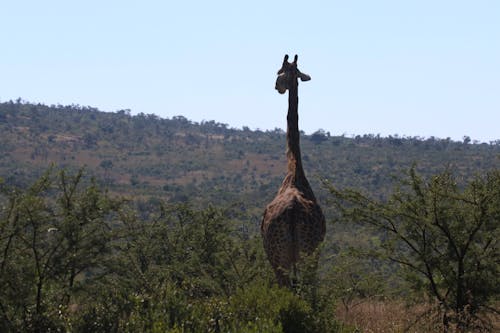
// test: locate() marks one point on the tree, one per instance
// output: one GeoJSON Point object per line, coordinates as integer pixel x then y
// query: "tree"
{"type": "Point", "coordinates": [444, 236]}
{"type": "Point", "coordinates": [319, 136]}
{"type": "Point", "coordinates": [107, 165]}
{"type": "Point", "coordinates": [50, 234]}
{"type": "Point", "coordinates": [89, 140]}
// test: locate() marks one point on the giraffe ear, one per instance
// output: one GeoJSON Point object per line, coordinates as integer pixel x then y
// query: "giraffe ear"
{"type": "Point", "coordinates": [304, 77]}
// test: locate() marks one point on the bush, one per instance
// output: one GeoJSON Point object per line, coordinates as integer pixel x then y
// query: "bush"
{"type": "Point", "coordinates": [261, 305]}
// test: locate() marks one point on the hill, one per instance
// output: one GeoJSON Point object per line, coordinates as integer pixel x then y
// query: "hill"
{"type": "Point", "coordinates": [145, 156]}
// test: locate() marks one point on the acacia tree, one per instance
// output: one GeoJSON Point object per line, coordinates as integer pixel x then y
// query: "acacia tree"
{"type": "Point", "coordinates": [51, 233]}
{"type": "Point", "coordinates": [444, 235]}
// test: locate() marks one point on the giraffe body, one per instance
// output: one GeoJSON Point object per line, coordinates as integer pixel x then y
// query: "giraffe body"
{"type": "Point", "coordinates": [293, 223]}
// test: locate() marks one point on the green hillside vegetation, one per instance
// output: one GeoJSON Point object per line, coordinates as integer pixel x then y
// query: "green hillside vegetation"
{"type": "Point", "coordinates": [117, 223]}
{"type": "Point", "coordinates": [179, 160]}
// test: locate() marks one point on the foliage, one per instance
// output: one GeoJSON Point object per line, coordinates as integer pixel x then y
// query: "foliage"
{"type": "Point", "coordinates": [48, 240]}
{"type": "Point", "coordinates": [445, 235]}
{"type": "Point", "coordinates": [319, 136]}
{"type": "Point", "coordinates": [73, 259]}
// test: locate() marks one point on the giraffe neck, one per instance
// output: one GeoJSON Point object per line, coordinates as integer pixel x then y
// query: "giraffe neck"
{"type": "Point", "coordinates": [293, 135]}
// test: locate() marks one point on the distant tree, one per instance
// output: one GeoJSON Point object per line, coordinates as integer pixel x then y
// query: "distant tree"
{"type": "Point", "coordinates": [446, 237]}
{"type": "Point", "coordinates": [107, 165]}
{"type": "Point", "coordinates": [123, 112]}
{"type": "Point", "coordinates": [89, 140]}
{"type": "Point", "coordinates": [319, 136]}
{"type": "Point", "coordinates": [134, 180]}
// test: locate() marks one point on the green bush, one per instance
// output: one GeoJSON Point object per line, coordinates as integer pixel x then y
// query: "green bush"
{"type": "Point", "coordinates": [260, 304]}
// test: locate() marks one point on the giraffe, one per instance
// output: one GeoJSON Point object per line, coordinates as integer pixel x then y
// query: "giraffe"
{"type": "Point", "coordinates": [293, 223]}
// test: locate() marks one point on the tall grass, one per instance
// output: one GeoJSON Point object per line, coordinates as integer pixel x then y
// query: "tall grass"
{"type": "Point", "coordinates": [394, 316]}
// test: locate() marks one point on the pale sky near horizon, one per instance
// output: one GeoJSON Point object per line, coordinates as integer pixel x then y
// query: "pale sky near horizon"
{"type": "Point", "coordinates": [415, 68]}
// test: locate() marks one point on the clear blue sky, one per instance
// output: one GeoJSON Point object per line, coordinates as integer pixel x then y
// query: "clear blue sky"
{"type": "Point", "coordinates": [416, 68]}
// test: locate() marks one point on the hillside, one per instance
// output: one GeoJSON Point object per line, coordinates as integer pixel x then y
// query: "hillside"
{"type": "Point", "coordinates": [145, 156]}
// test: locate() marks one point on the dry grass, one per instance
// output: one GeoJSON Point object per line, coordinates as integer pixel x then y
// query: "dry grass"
{"type": "Point", "coordinates": [395, 316]}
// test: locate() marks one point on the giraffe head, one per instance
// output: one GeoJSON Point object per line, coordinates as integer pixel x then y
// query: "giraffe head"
{"type": "Point", "coordinates": [288, 75]}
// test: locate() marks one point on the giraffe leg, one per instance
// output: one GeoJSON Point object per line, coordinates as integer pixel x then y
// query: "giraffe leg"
{"type": "Point", "coordinates": [294, 278]}
{"type": "Point", "coordinates": [283, 277]}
